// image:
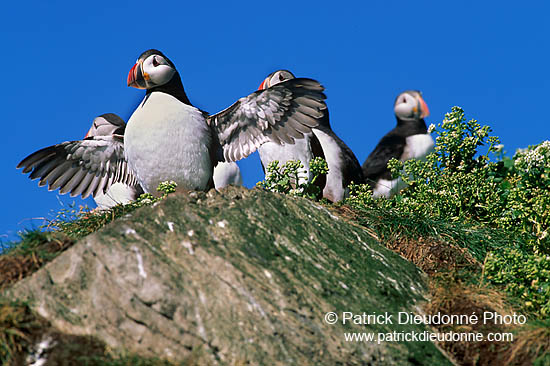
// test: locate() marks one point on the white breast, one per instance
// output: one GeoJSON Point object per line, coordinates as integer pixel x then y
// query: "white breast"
{"type": "Point", "coordinates": [118, 193]}
{"type": "Point", "coordinates": [227, 173]}
{"type": "Point", "coordinates": [166, 139]}
{"type": "Point", "coordinates": [418, 146]}
{"type": "Point", "coordinates": [334, 188]}
{"type": "Point", "coordinates": [387, 188]}
{"type": "Point", "coordinates": [300, 151]}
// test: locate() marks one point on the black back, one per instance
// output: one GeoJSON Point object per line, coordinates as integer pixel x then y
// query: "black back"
{"type": "Point", "coordinates": [392, 145]}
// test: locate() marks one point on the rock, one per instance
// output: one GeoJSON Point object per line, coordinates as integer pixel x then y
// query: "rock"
{"type": "Point", "coordinates": [239, 277]}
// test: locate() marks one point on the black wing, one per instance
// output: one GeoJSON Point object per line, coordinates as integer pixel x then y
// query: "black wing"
{"type": "Point", "coordinates": [281, 113]}
{"type": "Point", "coordinates": [81, 167]}
{"type": "Point", "coordinates": [376, 166]}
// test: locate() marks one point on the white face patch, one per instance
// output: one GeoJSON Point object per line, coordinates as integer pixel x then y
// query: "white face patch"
{"type": "Point", "coordinates": [157, 71]}
{"type": "Point", "coordinates": [279, 77]}
{"type": "Point", "coordinates": [405, 106]}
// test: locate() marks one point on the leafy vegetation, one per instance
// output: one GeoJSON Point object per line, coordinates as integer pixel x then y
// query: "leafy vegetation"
{"type": "Point", "coordinates": [452, 183]}
{"type": "Point", "coordinates": [524, 275]}
{"type": "Point", "coordinates": [468, 194]}
{"type": "Point", "coordinates": [525, 191]}
{"type": "Point", "coordinates": [289, 178]}
{"type": "Point", "coordinates": [506, 200]}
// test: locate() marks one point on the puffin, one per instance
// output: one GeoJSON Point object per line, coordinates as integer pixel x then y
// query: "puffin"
{"type": "Point", "coordinates": [59, 170]}
{"type": "Point", "coordinates": [303, 150]}
{"type": "Point", "coordinates": [169, 139]}
{"type": "Point", "coordinates": [408, 140]}
{"type": "Point", "coordinates": [343, 165]}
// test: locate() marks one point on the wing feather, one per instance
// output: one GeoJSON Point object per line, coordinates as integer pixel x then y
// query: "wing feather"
{"type": "Point", "coordinates": [73, 182]}
{"type": "Point", "coordinates": [63, 178]}
{"type": "Point", "coordinates": [84, 167]}
{"type": "Point", "coordinates": [281, 113]}
{"type": "Point", "coordinates": [82, 185]}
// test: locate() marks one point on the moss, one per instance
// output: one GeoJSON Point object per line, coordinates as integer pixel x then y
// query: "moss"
{"type": "Point", "coordinates": [308, 250]}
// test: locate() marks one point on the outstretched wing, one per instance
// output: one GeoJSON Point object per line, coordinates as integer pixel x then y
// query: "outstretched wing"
{"type": "Point", "coordinates": [281, 113]}
{"type": "Point", "coordinates": [81, 167]}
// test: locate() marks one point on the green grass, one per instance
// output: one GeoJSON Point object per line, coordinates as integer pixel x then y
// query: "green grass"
{"type": "Point", "coordinates": [82, 222]}
{"type": "Point", "coordinates": [391, 225]}
{"type": "Point", "coordinates": [16, 324]}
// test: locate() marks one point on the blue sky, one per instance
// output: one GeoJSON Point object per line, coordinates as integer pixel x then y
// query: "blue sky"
{"type": "Point", "coordinates": [65, 63]}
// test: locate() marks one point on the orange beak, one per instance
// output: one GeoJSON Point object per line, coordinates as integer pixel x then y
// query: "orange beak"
{"type": "Point", "coordinates": [262, 85]}
{"type": "Point", "coordinates": [135, 76]}
{"type": "Point", "coordinates": [423, 108]}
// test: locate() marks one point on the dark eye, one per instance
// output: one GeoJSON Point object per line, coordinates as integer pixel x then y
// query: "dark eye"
{"type": "Point", "coordinates": [281, 77]}
{"type": "Point", "coordinates": [155, 62]}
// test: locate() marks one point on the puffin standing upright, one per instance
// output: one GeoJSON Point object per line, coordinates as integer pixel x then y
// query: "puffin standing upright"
{"type": "Point", "coordinates": [167, 138]}
{"type": "Point", "coordinates": [343, 166]}
{"type": "Point", "coordinates": [408, 140]}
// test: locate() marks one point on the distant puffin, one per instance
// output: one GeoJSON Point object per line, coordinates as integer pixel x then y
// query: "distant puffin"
{"type": "Point", "coordinates": [343, 166]}
{"type": "Point", "coordinates": [167, 138]}
{"type": "Point", "coordinates": [408, 140]}
{"type": "Point", "coordinates": [59, 170]}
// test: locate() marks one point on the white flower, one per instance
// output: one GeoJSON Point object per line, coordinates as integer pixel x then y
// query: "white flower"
{"type": "Point", "coordinates": [431, 128]}
{"type": "Point", "coordinates": [296, 191]}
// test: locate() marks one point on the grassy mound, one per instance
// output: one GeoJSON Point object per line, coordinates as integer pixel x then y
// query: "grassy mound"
{"type": "Point", "coordinates": [476, 221]}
